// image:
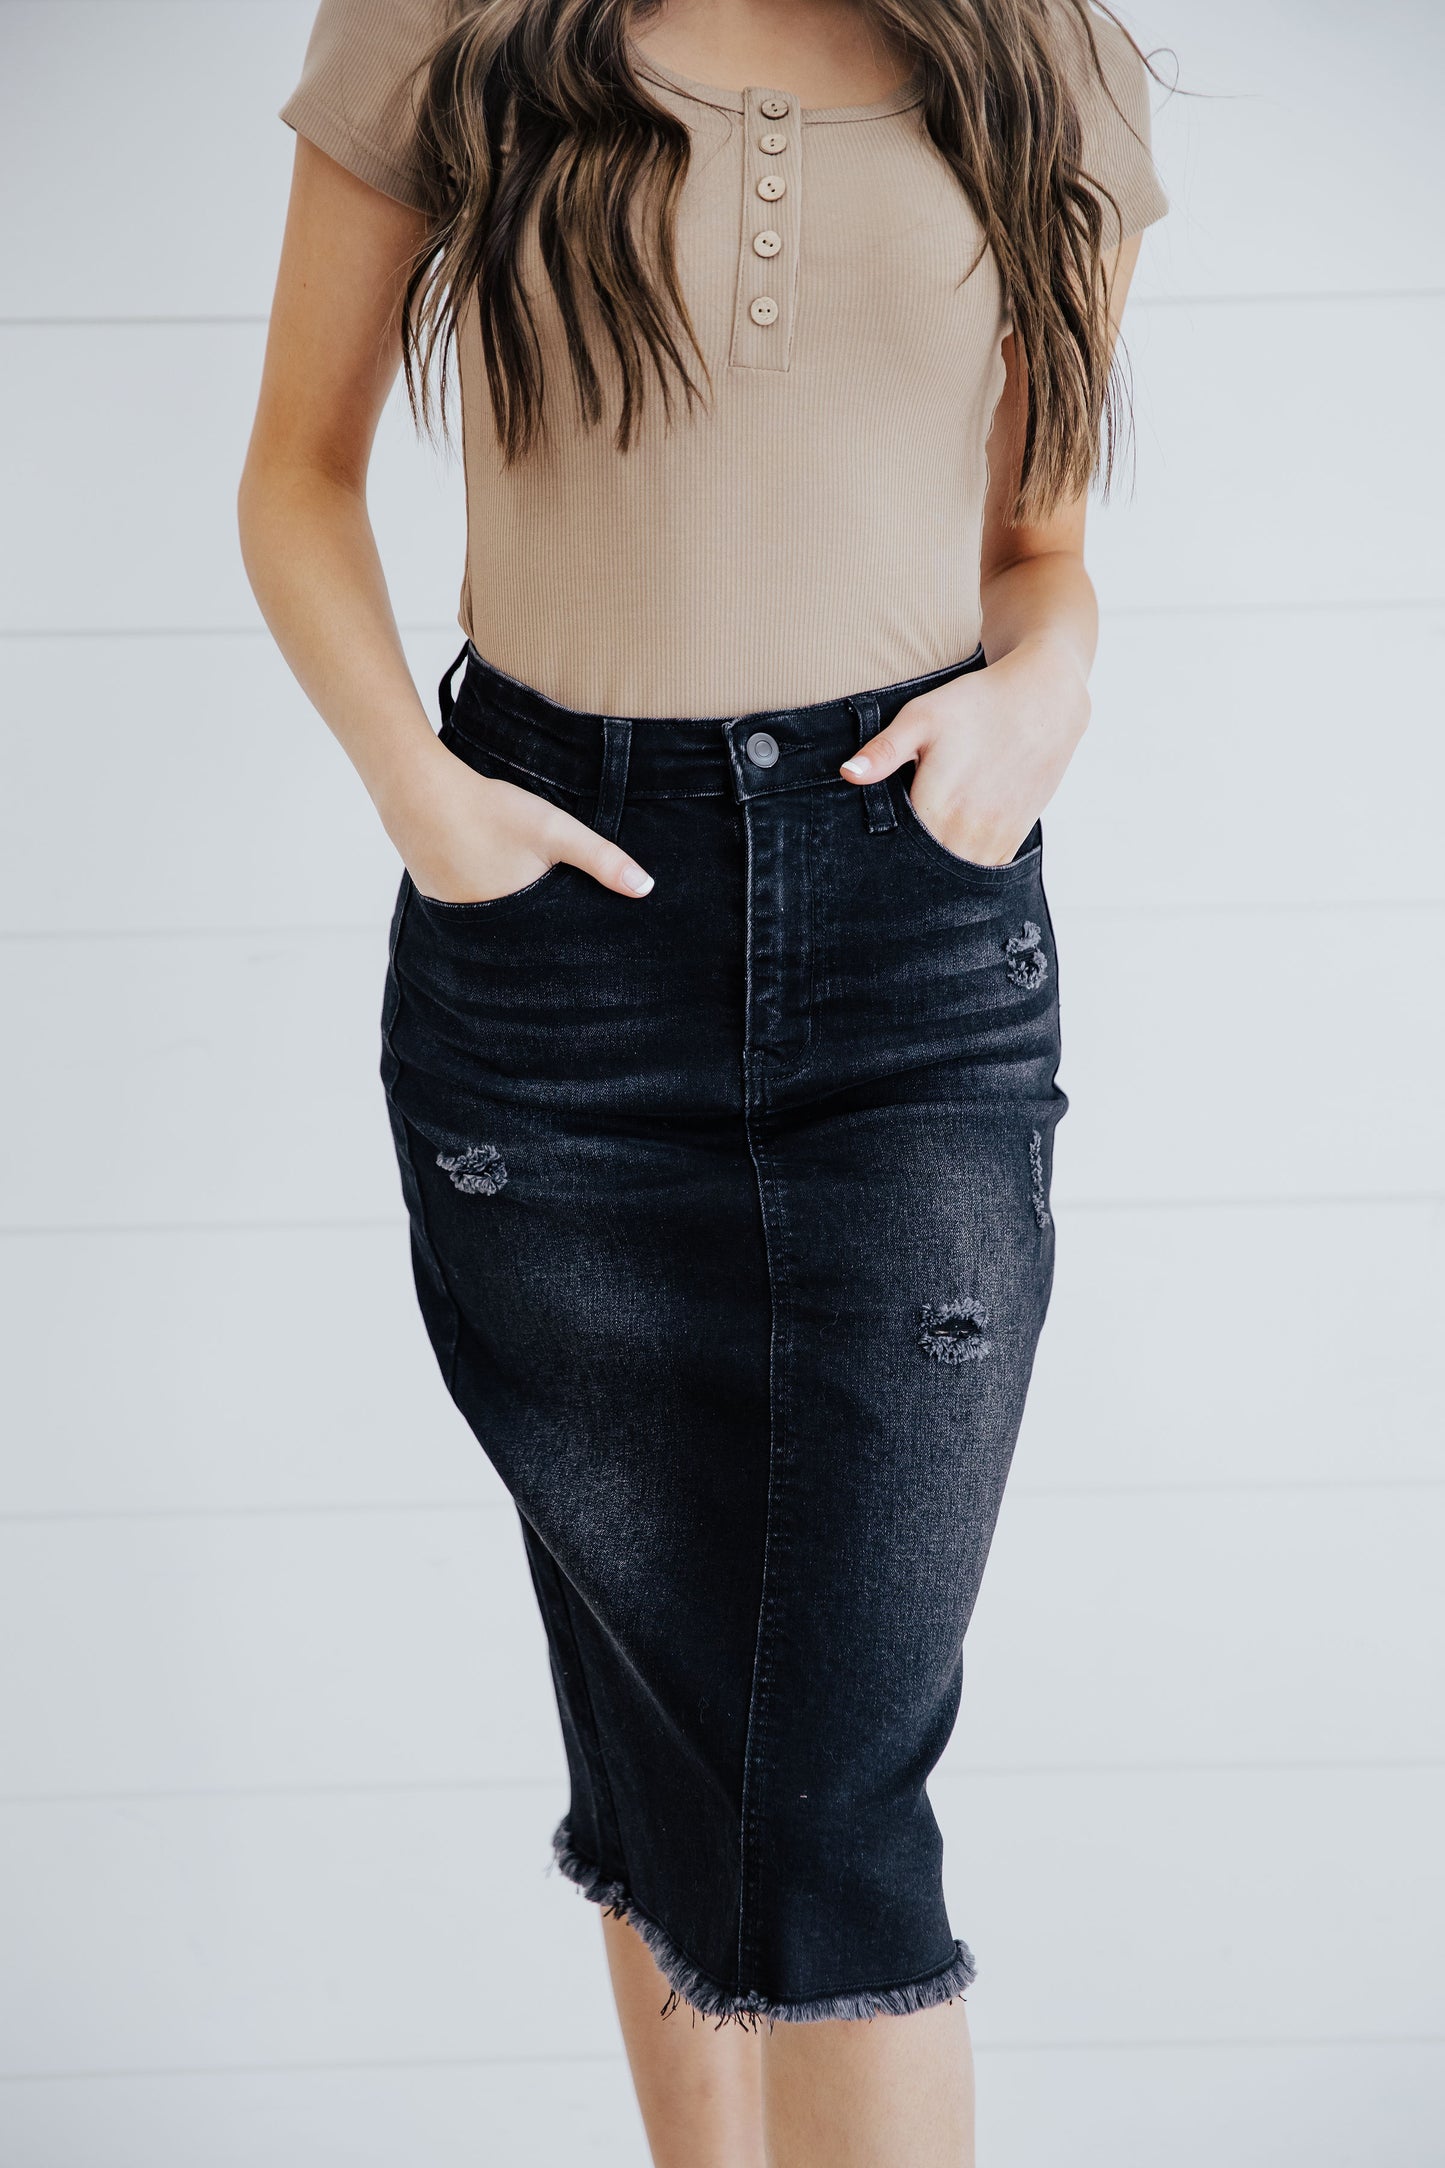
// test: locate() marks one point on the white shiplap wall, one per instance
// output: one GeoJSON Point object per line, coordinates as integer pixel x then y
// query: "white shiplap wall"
{"type": "Point", "coordinates": [279, 1760]}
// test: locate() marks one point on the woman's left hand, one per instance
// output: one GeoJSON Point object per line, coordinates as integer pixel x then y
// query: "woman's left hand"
{"type": "Point", "coordinates": [991, 748]}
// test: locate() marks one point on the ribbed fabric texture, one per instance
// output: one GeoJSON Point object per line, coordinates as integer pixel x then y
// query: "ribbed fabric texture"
{"type": "Point", "coordinates": [817, 525]}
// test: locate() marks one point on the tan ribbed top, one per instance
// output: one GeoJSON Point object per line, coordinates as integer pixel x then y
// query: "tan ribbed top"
{"type": "Point", "coordinates": [817, 528]}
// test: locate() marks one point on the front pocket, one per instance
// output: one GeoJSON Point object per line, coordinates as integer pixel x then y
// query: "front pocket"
{"type": "Point", "coordinates": [482, 761]}
{"type": "Point", "coordinates": [489, 904]}
{"type": "Point", "coordinates": [1021, 867]}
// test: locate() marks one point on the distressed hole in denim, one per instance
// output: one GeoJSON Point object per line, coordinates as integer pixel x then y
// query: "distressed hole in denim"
{"type": "Point", "coordinates": [477, 1172]}
{"type": "Point", "coordinates": [954, 1332]}
{"type": "Point", "coordinates": [1037, 1198]}
{"type": "Point", "coordinates": [1027, 966]}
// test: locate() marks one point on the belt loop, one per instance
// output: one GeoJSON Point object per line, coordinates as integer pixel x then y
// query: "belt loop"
{"type": "Point", "coordinates": [878, 813]}
{"type": "Point", "coordinates": [444, 691]}
{"type": "Point", "coordinates": [612, 792]}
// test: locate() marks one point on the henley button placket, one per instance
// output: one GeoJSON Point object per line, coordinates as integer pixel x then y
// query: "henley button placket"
{"type": "Point", "coordinates": [772, 182]}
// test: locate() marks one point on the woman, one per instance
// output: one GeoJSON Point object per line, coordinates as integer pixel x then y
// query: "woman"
{"type": "Point", "coordinates": [721, 1027]}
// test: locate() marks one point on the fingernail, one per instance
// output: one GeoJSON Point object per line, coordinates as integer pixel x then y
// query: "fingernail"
{"type": "Point", "coordinates": [638, 881]}
{"type": "Point", "coordinates": [860, 764]}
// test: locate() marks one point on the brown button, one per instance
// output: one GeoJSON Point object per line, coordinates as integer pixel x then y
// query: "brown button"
{"type": "Point", "coordinates": [775, 108]}
{"type": "Point", "coordinates": [767, 243]}
{"type": "Point", "coordinates": [773, 143]}
{"type": "Point", "coordinates": [771, 186]}
{"type": "Point", "coordinates": [764, 310]}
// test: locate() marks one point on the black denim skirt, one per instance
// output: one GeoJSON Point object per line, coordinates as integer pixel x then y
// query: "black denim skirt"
{"type": "Point", "coordinates": [730, 1218]}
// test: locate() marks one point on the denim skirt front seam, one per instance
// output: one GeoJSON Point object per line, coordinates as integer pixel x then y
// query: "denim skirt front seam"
{"type": "Point", "coordinates": [730, 1224]}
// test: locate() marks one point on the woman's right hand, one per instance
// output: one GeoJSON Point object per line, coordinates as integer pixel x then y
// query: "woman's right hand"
{"type": "Point", "coordinates": [468, 838]}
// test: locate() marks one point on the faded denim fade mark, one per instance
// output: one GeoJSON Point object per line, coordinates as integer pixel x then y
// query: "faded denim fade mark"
{"type": "Point", "coordinates": [1027, 965]}
{"type": "Point", "coordinates": [954, 1332]}
{"type": "Point", "coordinates": [1037, 1196]}
{"type": "Point", "coordinates": [478, 1172]}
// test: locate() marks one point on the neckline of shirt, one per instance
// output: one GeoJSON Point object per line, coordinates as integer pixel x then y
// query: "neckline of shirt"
{"type": "Point", "coordinates": [732, 101]}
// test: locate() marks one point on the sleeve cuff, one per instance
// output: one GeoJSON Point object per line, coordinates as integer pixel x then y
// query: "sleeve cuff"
{"type": "Point", "coordinates": [330, 133]}
{"type": "Point", "coordinates": [1142, 206]}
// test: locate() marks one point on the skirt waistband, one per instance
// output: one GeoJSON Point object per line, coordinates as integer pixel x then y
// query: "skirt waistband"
{"type": "Point", "coordinates": [742, 756]}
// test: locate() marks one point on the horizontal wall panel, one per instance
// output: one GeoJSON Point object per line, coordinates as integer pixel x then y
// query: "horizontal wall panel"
{"type": "Point", "coordinates": [1251, 1056]}
{"type": "Point", "coordinates": [1250, 487]}
{"type": "Point", "coordinates": [241, 1369]}
{"type": "Point", "coordinates": [1335, 2104]}
{"type": "Point", "coordinates": [250, 814]}
{"type": "Point", "coordinates": [171, 194]}
{"type": "Point", "coordinates": [1295, 155]}
{"type": "Point", "coordinates": [199, 1079]}
{"type": "Point", "coordinates": [235, 1078]}
{"type": "Point", "coordinates": [1259, 2106]}
{"type": "Point", "coordinates": [258, 1368]}
{"type": "Point", "coordinates": [1244, 496]}
{"type": "Point", "coordinates": [186, 1934]}
{"type": "Point", "coordinates": [1245, 759]}
{"type": "Point", "coordinates": [534, 2114]}
{"type": "Point", "coordinates": [122, 447]}
{"type": "Point", "coordinates": [1222, 768]}
{"type": "Point", "coordinates": [311, 1650]}
{"type": "Point", "coordinates": [222, 1933]}
{"type": "Point", "coordinates": [1239, 1907]}
{"type": "Point", "coordinates": [323, 1650]}
{"type": "Point", "coordinates": [1255, 1345]}
{"type": "Point", "coordinates": [1195, 1628]}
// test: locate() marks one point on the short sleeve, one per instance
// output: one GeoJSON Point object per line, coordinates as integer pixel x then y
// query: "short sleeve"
{"type": "Point", "coordinates": [1116, 153]}
{"type": "Point", "coordinates": [356, 99]}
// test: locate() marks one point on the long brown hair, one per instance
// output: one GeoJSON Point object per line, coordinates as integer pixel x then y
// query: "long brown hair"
{"type": "Point", "coordinates": [534, 107]}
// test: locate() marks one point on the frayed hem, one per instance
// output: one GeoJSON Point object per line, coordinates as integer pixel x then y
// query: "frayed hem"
{"type": "Point", "coordinates": [708, 1999]}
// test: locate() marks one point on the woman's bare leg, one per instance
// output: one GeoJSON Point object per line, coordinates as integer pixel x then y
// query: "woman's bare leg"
{"type": "Point", "coordinates": [698, 2084]}
{"type": "Point", "coordinates": [883, 2092]}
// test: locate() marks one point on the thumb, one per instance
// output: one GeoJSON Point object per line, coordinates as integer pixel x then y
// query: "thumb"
{"type": "Point", "coordinates": [892, 748]}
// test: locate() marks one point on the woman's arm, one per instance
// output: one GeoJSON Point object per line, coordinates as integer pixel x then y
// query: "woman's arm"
{"type": "Point", "coordinates": [332, 356]}
{"type": "Point", "coordinates": [992, 747]}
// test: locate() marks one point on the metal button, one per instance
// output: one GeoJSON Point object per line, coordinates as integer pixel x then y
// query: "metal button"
{"type": "Point", "coordinates": [764, 310]}
{"type": "Point", "coordinates": [773, 143]}
{"type": "Point", "coordinates": [771, 186]}
{"type": "Point", "coordinates": [775, 108]}
{"type": "Point", "coordinates": [767, 243]}
{"type": "Point", "coordinates": [762, 750]}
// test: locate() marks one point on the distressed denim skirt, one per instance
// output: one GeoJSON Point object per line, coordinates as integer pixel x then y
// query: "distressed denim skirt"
{"type": "Point", "coordinates": [730, 1222]}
